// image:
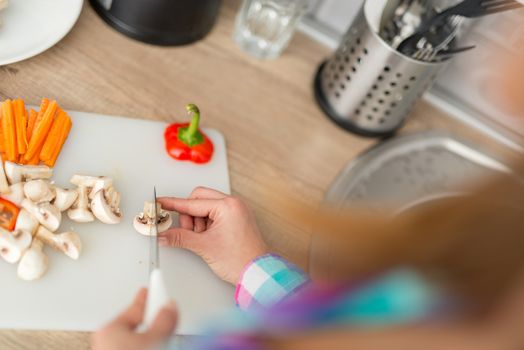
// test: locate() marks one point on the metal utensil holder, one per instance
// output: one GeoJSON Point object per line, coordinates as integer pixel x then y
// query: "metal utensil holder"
{"type": "Point", "coordinates": [368, 87]}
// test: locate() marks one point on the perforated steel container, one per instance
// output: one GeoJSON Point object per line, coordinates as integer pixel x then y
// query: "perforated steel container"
{"type": "Point", "coordinates": [368, 87]}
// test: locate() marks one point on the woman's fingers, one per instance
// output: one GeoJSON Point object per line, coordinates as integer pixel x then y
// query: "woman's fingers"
{"type": "Point", "coordinates": [207, 193]}
{"type": "Point", "coordinates": [133, 315]}
{"type": "Point", "coordinates": [163, 325]}
{"type": "Point", "coordinates": [194, 207]}
{"type": "Point", "coordinates": [200, 224]}
{"type": "Point", "coordinates": [186, 222]}
{"type": "Point", "coordinates": [181, 238]}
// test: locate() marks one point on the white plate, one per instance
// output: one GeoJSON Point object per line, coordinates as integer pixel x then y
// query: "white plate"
{"type": "Point", "coordinates": [30, 27]}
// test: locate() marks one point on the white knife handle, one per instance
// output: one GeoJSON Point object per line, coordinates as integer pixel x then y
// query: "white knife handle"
{"type": "Point", "coordinates": [157, 297]}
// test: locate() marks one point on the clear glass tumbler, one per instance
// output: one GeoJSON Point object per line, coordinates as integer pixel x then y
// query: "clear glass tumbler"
{"type": "Point", "coordinates": [265, 27]}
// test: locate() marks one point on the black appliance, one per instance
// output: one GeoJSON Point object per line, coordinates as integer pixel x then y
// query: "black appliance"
{"type": "Point", "coordinates": [160, 22]}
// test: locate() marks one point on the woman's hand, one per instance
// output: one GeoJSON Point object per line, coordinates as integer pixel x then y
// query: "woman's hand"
{"type": "Point", "coordinates": [121, 332]}
{"type": "Point", "coordinates": [219, 228]}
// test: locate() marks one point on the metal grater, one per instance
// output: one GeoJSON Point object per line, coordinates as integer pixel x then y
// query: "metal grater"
{"type": "Point", "coordinates": [367, 87]}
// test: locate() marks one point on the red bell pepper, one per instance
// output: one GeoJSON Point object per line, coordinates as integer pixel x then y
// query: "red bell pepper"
{"type": "Point", "coordinates": [8, 214]}
{"type": "Point", "coordinates": [184, 141]}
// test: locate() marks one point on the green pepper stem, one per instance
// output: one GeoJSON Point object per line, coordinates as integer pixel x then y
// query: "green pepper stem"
{"type": "Point", "coordinates": [195, 119]}
{"type": "Point", "coordinates": [190, 134]}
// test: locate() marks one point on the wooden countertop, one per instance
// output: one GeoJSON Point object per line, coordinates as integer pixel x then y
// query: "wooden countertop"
{"type": "Point", "coordinates": [274, 130]}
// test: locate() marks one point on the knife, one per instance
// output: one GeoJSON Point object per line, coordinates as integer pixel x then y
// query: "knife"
{"type": "Point", "coordinates": [157, 296]}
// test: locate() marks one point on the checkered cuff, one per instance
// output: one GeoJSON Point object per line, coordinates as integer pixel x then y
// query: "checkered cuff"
{"type": "Point", "coordinates": [267, 280]}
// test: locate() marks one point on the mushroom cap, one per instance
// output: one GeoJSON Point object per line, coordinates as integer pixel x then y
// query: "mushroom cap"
{"type": "Point", "coordinates": [39, 191]}
{"type": "Point", "coordinates": [67, 242]}
{"type": "Point", "coordinates": [34, 263]}
{"type": "Point", "coordinates": [143, 224]}
{"type": "Point", "coordinates": [102, 209]}
{"type": "Point", "coordinates": [47, 214]}
{"type": "Point", "coordinates": [13, 244]}
{"type": "Point", "coordinates": [71, 244]}
{"type": "Point", "coordinates": [144, 228]}
{"type": "Point", "coordinates": [26, 221]}
{"type": "Point", "coordinates": [80, 215]}
{"type": "Point", "coordinates": [16, 194]}
{"type": "Point", "coordinates": [65, 198]}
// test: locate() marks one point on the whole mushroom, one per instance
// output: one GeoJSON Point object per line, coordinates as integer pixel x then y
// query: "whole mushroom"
{"type": "Point", "coordinates": [143, 222]}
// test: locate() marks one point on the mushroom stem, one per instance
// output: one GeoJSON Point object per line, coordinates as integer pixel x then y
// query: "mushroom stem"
{"type": "Point", "coordinates": [80, 212]}
{"type": "Point", "coordinates": [68, 243]}
{"type": "Point", "coordinates": [18, 173]}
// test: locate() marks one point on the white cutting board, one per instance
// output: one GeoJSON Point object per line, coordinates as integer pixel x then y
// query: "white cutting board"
{"type": "Point", "coordinates": [82, 295]}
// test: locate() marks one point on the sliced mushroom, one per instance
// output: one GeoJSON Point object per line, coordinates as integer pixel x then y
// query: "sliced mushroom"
{"type": "Point", "coordinates": [18, 173]}
{"type": "Point", "coordinates": [65, 198]}
{"type": "Point", "coordinates": [93, 183]}
{"type": "Point", "coordinates": [4, 185]}
{"type": "Point", "coordinates": [143, 222]}
{"type": "Point", "coordinates": [79, 212]}
{"type": "Point", "coordinates": [39, 191]}
{"type": "Point", "coordinates": [104, 206]}
{"type": "Point", "coordinates": [68, 243]}
{"type": "Point", "coordinates": [13, 244]}
{"type": "Point", "coordinates": [34, 262]}
{"type": "Point", "coordinates": [16, 193]}
{"type": "Point", "coordinates": [27, 222]}
{"type": "Point", "coordinates": [46, 213]}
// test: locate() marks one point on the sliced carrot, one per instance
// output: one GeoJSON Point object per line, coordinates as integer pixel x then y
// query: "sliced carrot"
{"type": "Point", "coordinates": [52, 139]}
{"type": "Point", "coordinates": [62, 137]}
{"type": "Point", "coordinates": [43, 107]}
{"type": "Point", "coordinates": [9, 131]}
{"type": "Point", "coordinates": [31, 123]}
{"type": "Point", "coordinates": [41, 130]}
{"type": "Point", "coordinates": [33, 161]}
{"type": "Point", "coordinates": [21, 126]}
{"type": "Point", "coordinates": [2, 144]}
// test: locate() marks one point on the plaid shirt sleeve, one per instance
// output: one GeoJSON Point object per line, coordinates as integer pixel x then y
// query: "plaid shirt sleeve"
{"type": "Point", "coordinates": [267, 280]}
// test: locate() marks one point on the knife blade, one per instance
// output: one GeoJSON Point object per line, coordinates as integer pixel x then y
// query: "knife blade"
{"type": "Point", "coordinates": [157, 295]}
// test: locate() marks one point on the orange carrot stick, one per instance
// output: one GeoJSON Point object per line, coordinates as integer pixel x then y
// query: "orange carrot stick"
{"type": "Point", "coordinates": [43, 107]}
{"type": "Point", "coordinates": [31, 123]}
{"type": "Point", "coordinates": [52, 139]}
{"type": "Point", "coordinates": [8, 126]}
{"type": "Point", "coordinates": [33, 161]}
{"type": "Point", "coordinates": [41, 130]}
{"type": "Point", "coordinates": [21, 126]}
{"type": "Point", "coordinates": [64, 132]}
{"type": "Point", "coordinates": [2, 143]}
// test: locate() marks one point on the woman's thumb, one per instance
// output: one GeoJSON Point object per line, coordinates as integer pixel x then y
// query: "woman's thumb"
{"type": "Point", "coordinates": [163, 325]}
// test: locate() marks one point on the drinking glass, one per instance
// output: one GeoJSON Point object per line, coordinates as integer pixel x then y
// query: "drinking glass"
{"type": "Point", "coordinates": [265, 27]}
